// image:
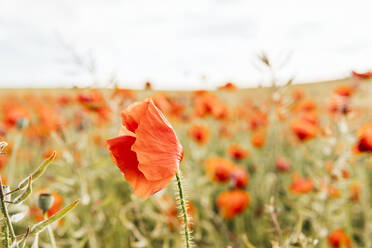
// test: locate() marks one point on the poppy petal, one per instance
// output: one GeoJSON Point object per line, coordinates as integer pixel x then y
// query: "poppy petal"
{"type": "Point", "coordinates": [124, 158]}
{"type": "Point", "coordinates": [146, 188]}
{"type": "Point", "coordinates": [157, 147]}
{"type": "Point", "coordinates": [133, 114]}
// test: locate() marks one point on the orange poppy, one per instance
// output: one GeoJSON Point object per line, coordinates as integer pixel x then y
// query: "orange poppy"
{"type": "Point", "coordinates": [94, 102]}
{"type": "Point", "coordinates": [365, 138]}
{"type": "Point", "coordinates": [301, 185]}
{"type": "Point", "coordinates": [228, 86]}
{"type": "Point", "coordinates": [237, 152]}
{"type": "Point", "coordinates": [344, 90]}
{"type": "Point", "coordinates": [56, 206]}
{"type": "Point", "coordinates": [239, 177]}
{"type": "Point", "coordinates": [148, 153]}
{"type": "Point", "coordinates": [64, 100]}
{"type": "Point", "coordinates": [258, 140]}
{"type": "Point", "coordinates": [365, 75]}
{"type": "Point", "coordinates": [257, 120]}
{"type": "Point", "coordinates": [199, 133]}
{"type": "Point", "coordinates": [207, 103]}
{"type": "Point", "coordinates": [305, 105]}
{"type": "Point", "coordinates": [339, 239]}
{"type": "Point", "coordinates": [49, 120]}
{"type": "Point", "coordinates": [219, 169]}
{"type": "Point", "coordinates": [232, 203]}
{"type": "Point", "coordinates": [303, 129]}
{"type": "Point", "coordinates": [12, 113]}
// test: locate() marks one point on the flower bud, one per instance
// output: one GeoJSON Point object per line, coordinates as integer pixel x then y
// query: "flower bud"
{"type": "Point", "coordinates": [45, 201]}
{"type": "Point", "coordinates": [22, 123]}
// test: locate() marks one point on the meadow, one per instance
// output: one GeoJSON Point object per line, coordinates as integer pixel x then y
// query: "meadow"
{"type": "Point", "coordinates": [286, 166]}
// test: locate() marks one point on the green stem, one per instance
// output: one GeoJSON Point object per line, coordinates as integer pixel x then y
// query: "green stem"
{"type": "Point", "coordinates": [5, 230]}
{"type": "Point", "coordinates": [50, 233]}
{"type": "Point", "coordinates": [4, 210]}
{"type": "Point", "coordinates": [184, 211]}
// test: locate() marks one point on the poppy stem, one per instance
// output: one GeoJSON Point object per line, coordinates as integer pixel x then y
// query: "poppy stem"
{"type": "Point", "coordinates": [5, 213]}
{"type": "Point", "coordinates": [184, 211]}
{"type": "Point", "coordinates": [50, 233]}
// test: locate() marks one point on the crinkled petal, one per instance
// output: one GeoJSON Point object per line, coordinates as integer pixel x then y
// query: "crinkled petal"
{"type": "Point", "coordinates": [158, 150]}
{"type": "Point", "coordinates": [146, 188]}
{"type": "Point", "coordinates": [132, 115]}
{"type": "Point", "coordinates": [126, 160]}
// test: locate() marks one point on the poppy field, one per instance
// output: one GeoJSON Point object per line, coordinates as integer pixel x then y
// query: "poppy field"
{"type": "Point", "coordinates": [286, 166]}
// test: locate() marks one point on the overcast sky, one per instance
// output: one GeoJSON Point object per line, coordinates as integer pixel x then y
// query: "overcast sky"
{"type": "Point", "coordinates": [179, 44]}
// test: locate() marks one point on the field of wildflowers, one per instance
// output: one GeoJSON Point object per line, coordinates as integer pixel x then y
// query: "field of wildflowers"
{"type": "Point", "coordinates": [287, 166]}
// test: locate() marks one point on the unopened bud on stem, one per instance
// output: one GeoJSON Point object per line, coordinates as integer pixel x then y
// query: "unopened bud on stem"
{"type": "Point", "coordinates": [45, 202]}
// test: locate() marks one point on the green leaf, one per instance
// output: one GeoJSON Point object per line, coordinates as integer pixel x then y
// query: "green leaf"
{"type": "Point", "coordinates": [39, 171]}
{"type": "Point", "coordinates": [41, 225]}
{"type": "Point", "coordinates": [22, 197]}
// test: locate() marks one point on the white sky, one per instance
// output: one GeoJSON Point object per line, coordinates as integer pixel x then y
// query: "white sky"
{"type": "Point", "coordinates": [173, 43]}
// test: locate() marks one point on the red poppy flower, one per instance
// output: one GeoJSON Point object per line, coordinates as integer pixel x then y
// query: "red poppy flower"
{"type": "Point", "coordinates": [301, 185]}
{"type": "Point", "coordinates": [344, 90]}
{"type": "Point", "coordinates": [282, 164]}
{"type": "Point", "coordinates": [199, 133]}
{"type": "Point", "coordinates": [228, 86]}
{"type": "Point", "coordinates": [258, 140]}
{"type": "Point", "coordinates": [207, 103]}
{"type": "Point", "coordinates": [365, 75]}
{"type": "Point", "coordinates": [239, 177]}
{"type": "Point", "coordinates": [237, 152]}
{"type": "Point", "coordinates": [338, 239]}
{"type": "Point", "coordinates": [13, 113]}
{"type": "Point", "coordinates": [365, 138]}
{"type": "Point", "coordinates": [149, 153]}
{"type": "Point", "coordinates": [303, 129]}
{"type": "Point", "coordinates": [257, 120]}
{"type": "Point", "coordinates": [219, 169]}
{"type": "Point", "coordinates": [232, 203]}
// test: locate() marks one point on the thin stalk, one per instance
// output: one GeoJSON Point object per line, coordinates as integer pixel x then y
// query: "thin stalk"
{"type": "Point", "coordinates": [5, 212]}
{"type": "Point", "coordinates": [50, 233]}
{"type": "Point", "coordinates": [5, 230]}
{"type": "Point", "coordinates": [184, 211]}
{"type": "Point", "coordinates": [13, 155]}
